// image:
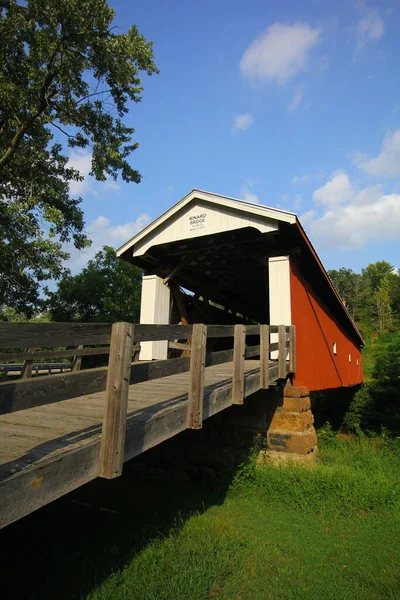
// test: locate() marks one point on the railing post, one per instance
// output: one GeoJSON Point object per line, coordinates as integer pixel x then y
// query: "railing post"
{"type": "Point", "coordinates": [239, 348]}
{"type": "Point", "coordinates": [264, 357]}
{"type": "Point", "coordinates": [77, 360]}
{"type": "Point", "coordinates": [196, 377]}
{"type": "Point", "coordinates": [282, 352]}
{"type": "Point", "coordinates": [116, 401]}
{"type": "Point", "coordinates": [26, 372]}
{"type": "Point", "coordinates": [292, 349]}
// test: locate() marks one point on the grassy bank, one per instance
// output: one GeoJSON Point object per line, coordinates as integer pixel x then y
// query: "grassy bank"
{"type": "Point", "coordinates": [280, 533]}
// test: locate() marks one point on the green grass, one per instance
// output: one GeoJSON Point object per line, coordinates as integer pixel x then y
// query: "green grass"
{"type": "Point", "coordinates": [291, 532]}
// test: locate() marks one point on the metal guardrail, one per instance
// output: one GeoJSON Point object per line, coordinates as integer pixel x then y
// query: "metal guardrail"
{"type": "Point", "coordinates": [36, 367]}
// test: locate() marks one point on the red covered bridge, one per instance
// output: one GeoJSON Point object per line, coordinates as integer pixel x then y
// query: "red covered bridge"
{"type": "Point", "coordinates": [235, 303]}
{"type": "Point", "coordinates": [252, 262]}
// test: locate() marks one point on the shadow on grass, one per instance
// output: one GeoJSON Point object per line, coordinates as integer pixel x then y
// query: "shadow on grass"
{"type": "Point", "coordinates": [69, 547]}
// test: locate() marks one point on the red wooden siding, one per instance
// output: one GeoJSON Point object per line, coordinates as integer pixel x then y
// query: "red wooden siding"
{"type": "Point", "coordinates": [317, 330]}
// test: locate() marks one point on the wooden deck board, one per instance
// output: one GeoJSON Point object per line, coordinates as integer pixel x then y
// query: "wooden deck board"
{"type": "Point", "coordinates": [33, 441]}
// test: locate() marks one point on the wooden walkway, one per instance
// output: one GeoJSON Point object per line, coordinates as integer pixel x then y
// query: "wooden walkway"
{"type": "Point", "coordinates": [49, 449]}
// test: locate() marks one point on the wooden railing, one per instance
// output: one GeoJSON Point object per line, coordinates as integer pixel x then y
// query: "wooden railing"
{"type": "Point", "coordinates": [121, 341]}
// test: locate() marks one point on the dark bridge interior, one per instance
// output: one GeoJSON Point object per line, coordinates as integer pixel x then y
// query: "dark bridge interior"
{"type": "Point", "coordinates": [229, 268]}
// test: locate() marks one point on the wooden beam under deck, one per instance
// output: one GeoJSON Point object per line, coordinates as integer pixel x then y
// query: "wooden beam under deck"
{"type": "Point", "coordinates": [50, 450]}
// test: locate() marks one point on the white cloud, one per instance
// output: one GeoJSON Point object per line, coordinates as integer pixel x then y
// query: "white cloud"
{"type": "Point", "coordinates": [246, 193]}
{"type": "Point", "coordinates": [307, 217]}
{"type": "Point", "coordinates": [336, 191]}
{"type": "Point", "coordinates": [356, 224]}
{"type": "Point", "coordinates": [292, 204]}
{"type": "Point", "coordinates": [249, 196]}
{"type": "Point", "coordinates": [110, 184]}
{"type": "Point", "coordinates": [301, 179]}
{"type": "Point", "coordinates": [242, 122]}
{"type": "Point", "coordinates": [352, 218]}
{"type": "Point", "coordinates": [349, 217]}
{"type": "Point", "coordinates": [296, 98]}
{"type": "Point", "coordinates": [280, 53]}
{"type": "Point", "coordinates": [387, 163]}
{"type": "Point", "coordinates": [368, 195]}
{"type": "Point", "coordinates": [370, 28]}
{"type": "Point", "coordinates": [297, 202]}
{"type": "Point", "coordinates": [82, 161]}
{"type": "Point", "coordinates": [102, 233]}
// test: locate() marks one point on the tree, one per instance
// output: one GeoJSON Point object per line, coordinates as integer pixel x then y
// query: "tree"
{"type": "Point", "coordinates": [375, 273]}
{"type": "Point", "coordinates": [372, 297]}
{"type": "Point", "coordinates": [381, 281]}
{"type": "Point", "coordinates": [65, 74]}
{"type": "Point", "coordinates": [8, 313]}
{"type": "Point", "coordinates": [350, 287]}
{"type": "Point", "coordinates": [108, 289]}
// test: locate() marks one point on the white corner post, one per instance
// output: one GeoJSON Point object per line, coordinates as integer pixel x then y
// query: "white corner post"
{"type": "Point", "coordinates": [279, 295]}
{"type": "Point", "coordinates": [154, 310]}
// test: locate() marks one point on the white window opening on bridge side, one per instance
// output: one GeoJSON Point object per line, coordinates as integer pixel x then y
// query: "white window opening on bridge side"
{"type": "Point", "coordinates": [357, 362]}
{"type": "Point", "coordinates": [334, 348]}
{"type": "Point", "coordinates": [350, 358]}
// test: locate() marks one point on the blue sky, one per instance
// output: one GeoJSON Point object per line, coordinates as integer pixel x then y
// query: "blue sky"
{"type": "Point", "coordinates": [291, 104]}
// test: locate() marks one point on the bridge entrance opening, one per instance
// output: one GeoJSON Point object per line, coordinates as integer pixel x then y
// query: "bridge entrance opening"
{"type": "Point", "coordinates": [225, 273]}
{"type": "Point", "coordinates": [220, 278]}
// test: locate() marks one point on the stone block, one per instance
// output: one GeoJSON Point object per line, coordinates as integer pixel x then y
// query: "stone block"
{"type": "Point", "coordinates": [287, 441]}
{"type": "Point", "coordinates": [272, 456]}
{"type": "Point", "coordinates": [295, 391]}
{"type": "Point", "coordinates": [292, 421]}
{"type": "Point", "coordinates": [287, 404]}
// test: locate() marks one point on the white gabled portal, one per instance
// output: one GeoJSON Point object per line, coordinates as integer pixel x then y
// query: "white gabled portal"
{"type": "Point", "coordinates": [155, 309]}
{"type": "Point", "coordinates": [203, 213]}
{"type": "Point", "coordinates": [279, 294]}
{"type": "Point", "coordinates": [200, 218]}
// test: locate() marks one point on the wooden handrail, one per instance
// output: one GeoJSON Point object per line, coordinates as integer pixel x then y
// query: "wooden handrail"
{"type": "Point", "coordinates": [22, 394]}
{"type": "Point", "coordinates": [115, 379]}
{"type": "Point", "coordinates": [48, 335]}
{"type": "Point", "coordinates": [42, 355]}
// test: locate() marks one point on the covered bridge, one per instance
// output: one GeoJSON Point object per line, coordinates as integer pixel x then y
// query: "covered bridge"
{"type": "Point", "coordinates": [235, 304]}
{"type": "Point", "coordinates": [215, 259]}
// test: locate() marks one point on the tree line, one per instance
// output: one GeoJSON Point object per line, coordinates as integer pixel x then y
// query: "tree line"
{"type": "Point", "coordinates": [372, 297]}
{"type": "Point", "coordinates": [108, 289]}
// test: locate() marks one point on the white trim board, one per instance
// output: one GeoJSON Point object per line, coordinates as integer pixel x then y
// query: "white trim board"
{"type": "Point", "coordinates": [280, 309]}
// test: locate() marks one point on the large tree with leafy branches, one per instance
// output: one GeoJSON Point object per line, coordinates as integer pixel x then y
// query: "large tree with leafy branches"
{"type": "Point", "coordinates": [108, 289]}
{"type": "Point", "coordinates": [65, 74]}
